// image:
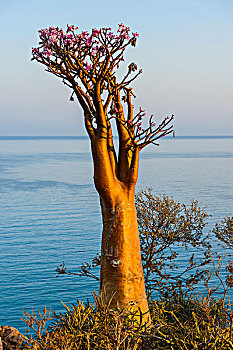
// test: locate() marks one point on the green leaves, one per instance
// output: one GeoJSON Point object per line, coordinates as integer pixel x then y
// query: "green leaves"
{"type": "Point", "coordinates": [224, 231]}
{"type": "Point", "coordinates": [165, 226]}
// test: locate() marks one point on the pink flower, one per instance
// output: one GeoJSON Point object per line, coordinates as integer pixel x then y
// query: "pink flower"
{"type": "Point", "coordinates": [124, 35]}
{"type": "Point", "coordinates": [46, 52]}
{"type": "Point", "coordinates": [36, 52]}
{"type": "Point", "coordinates": [95, 32]}
{"type": "Point", "coordinates": [84, 34]}
{"type": "Point", "coordinates": [88, 66]}
{"type": "Point", "coordinates": [136, 34]}
{"type": "Point", "coordinates": [89, 42]}
{"type": "Point", "coordinates": [43, 33]}
{"type": "Point", "coordinates": [52, 39]}
{"type": "Point", "coordinates": [71, 28]}
{"type": "Point", "coordinates": [122, 27]}
{"type": "Point", "coordinates": [110, 35]}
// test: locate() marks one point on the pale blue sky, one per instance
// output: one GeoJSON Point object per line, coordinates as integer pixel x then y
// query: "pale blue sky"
{"type": "Point", "coordinates": [185, 50]}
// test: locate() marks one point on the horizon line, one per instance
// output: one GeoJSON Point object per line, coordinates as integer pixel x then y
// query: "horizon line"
{"type": "Point", "coordinates": [87, 137]}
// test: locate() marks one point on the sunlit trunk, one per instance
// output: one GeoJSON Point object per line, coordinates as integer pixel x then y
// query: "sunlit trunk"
{"type": "Point", "coordinates": [121, 275]}
{"type": "Point", "coordinates": [121, 267]}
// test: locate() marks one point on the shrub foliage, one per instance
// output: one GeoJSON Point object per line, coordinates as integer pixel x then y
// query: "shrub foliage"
{"type": "Point", "coordinates": [182, 317]}
{"type": "Point", "coordinates": [177, 323]}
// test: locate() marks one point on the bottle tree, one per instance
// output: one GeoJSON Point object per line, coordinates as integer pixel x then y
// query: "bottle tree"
{"type": "Point", "coordinates": [88, 62]}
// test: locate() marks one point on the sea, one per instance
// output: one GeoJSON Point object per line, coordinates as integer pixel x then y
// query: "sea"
{"type": "Point", "coordinates": [50, 212]}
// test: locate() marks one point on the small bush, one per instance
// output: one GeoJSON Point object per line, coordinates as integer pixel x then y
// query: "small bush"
{"type": "Point", "coordinates": [165, 227]}
{"type": "Point", "coordinates": [177, 323]}
{"type": "Point", "coordinates": [182, 317]}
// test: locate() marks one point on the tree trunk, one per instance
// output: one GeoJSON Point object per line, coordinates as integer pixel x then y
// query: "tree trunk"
{"type": "Point", "coordinates": [121, 272]}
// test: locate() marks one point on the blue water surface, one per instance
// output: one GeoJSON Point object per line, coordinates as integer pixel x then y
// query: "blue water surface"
{"type": "Point", "coordinates": [49, 209]}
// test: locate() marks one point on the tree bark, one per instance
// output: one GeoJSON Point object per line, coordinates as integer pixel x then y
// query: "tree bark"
{"type": "Point", "coordinates": [121, 274]}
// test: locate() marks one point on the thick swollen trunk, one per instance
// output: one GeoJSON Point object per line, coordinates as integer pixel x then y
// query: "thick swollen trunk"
{"type": "Point", "coordinates": [121, 275]}
{"type": "Point", "coordinates": [121, 267]}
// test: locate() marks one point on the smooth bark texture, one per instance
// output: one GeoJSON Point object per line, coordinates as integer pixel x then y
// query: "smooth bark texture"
{"type": "Point", "coordinates": [121, 267]}
{"type": "Point", "coordinates": [121, 276]}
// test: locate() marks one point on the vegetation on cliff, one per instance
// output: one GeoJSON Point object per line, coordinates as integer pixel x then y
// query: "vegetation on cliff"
{"type": "Point", "coordinates": [189, 309]}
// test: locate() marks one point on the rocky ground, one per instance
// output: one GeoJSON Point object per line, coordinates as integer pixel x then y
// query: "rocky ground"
{"type": "Point", "coordinates": [10, 338]}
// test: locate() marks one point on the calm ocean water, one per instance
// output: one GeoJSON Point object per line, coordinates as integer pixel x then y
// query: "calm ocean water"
{"type": "Point", "coordinates": [49, 209]}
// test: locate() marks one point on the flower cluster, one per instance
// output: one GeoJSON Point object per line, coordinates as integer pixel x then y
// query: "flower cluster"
{"type": "Point", "coordinates": [92, 58]}
{"type": "Point", "coordinates": [71, 28]}
{"type": "Point", "coordinates": [97, 42]}
{"type": "Point", "coordinates": [124, 31]}
{"type": "Point", "coordinates": [95, 32]}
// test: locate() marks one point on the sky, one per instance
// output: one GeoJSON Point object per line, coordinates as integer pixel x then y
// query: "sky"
{"type": "Point", "coordinates": [185, 50]}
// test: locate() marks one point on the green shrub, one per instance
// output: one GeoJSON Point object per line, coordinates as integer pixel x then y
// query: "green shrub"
{"type": "Point", "coordinates": [177, 323]}
{"type": "Point", "coordinates": [165, 227]}
{"type": "Point", "coordinates": [182, 317]}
